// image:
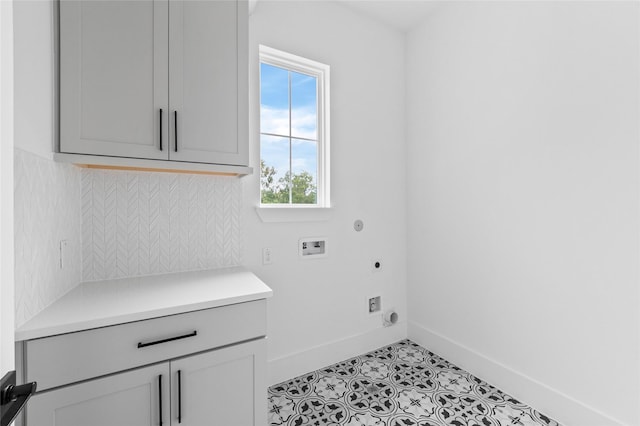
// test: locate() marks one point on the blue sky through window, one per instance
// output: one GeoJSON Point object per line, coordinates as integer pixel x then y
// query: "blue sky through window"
{"type": "Point", "coordinates": [288, 121]}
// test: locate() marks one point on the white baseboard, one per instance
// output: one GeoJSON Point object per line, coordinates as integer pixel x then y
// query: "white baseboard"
{"type": "Point", "coordinates": [290, 366]}
{"type": "Point", "coordinates": [553, 403]}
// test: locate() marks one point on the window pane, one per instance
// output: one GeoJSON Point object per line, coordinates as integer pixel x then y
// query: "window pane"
{"type": "Point", "coordinates": [274, 170]}
{"type": "Point", "coordinates": [304, 165]}
{"type": "Point", "coordinates": [274, 100]}
{"type": "Point", "coordinates": [304, 106]}
{"type": "Point", "coordinates": [292, 130]}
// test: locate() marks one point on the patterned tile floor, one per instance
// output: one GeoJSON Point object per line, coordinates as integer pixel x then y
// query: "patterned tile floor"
{"type": "Point", "coordinates": [398, 385]}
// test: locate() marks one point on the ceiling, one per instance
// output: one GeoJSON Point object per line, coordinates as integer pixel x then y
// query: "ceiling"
{"type": "Point", "coordinates": [402, 15]}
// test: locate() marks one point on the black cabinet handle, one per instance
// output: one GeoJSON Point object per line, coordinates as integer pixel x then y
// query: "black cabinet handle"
{"type": "Point", "coordinates": [160, 396]}
{"type": "Point", "coordinates": [179, 396]}
{"type": "Point", "coordinates": [175, 124]}
{"type": "Point", "coordinates": [13, 397]}
{"type": "Point", "coordinates": [170, 339]}
{"type": "Point", "coordinates": [160, 129]}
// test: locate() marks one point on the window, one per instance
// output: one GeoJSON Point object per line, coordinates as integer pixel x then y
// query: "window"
{"type": "Point", "coordinates": [294, 130]}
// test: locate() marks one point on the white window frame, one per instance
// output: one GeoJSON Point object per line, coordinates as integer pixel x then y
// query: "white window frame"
{"type": "Point", "coordinates": [321, 71]}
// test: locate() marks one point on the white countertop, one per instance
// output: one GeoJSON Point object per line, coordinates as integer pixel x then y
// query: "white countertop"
{"type": "Point", "coordinates": [111, 302]}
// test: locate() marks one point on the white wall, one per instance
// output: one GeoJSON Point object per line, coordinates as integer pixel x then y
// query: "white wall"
{"type": "Point", "coordinates": [523, 207]}
{"type": "Point", "coordinates": [34, 77]}
{"type": "Point", "coordinates": [6, 188]}
{"type": "Point", "coordinates": [318, 313]}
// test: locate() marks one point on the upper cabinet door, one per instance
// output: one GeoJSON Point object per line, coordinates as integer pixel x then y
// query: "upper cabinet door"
{"type": "Point", "coordinates": [114, 78]}
{"type": "Point", "coordinates": [208, 81]}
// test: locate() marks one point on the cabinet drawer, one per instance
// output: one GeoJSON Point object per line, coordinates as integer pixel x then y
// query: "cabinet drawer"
{"type": "Point", "coordinates": [68, 358]}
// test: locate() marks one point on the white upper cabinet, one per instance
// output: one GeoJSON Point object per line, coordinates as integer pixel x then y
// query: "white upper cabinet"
{"type": "Point", "coordinates": [160, 80]}
{"type": "Point", "coordinates": [113, 77]}
{"type": "Point", "coordinates": [206, 66]}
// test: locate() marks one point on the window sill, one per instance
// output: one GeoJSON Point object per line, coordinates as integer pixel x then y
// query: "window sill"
{"type": "Point", "coordinates": [293, 214]}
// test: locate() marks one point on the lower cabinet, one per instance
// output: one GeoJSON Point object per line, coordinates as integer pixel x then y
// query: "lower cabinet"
{"type": "Point", "coordinates": [130, 398]}
{"type": "Point", "coordinates": [222, 387]}
{"type": "Point", "coordinates": [218, 388]}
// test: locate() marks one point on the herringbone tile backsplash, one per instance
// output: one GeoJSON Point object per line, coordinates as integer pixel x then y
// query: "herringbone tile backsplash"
{"type": "Point", "coordinates": [139, 223]}
{"type": "Point", "coordinates": [47, 211]}
{"type": "Point", "coordinates": [116, 224]}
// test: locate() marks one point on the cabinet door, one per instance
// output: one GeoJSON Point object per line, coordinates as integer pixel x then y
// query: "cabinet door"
{"type": "Point", "coordinates": [114, 77]}
{"type": "Point", "coordinates": [225, 387]}
{"type": "Point", "coordinates": [126, 399]}
{"type": "Point", "coordinates": [208, 81]}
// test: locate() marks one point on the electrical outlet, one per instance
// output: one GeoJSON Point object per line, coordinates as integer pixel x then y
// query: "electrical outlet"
{"type": "Point", "coordinates": [266, 256]}
{"type": "Point", "coordinates": [63, 249]}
